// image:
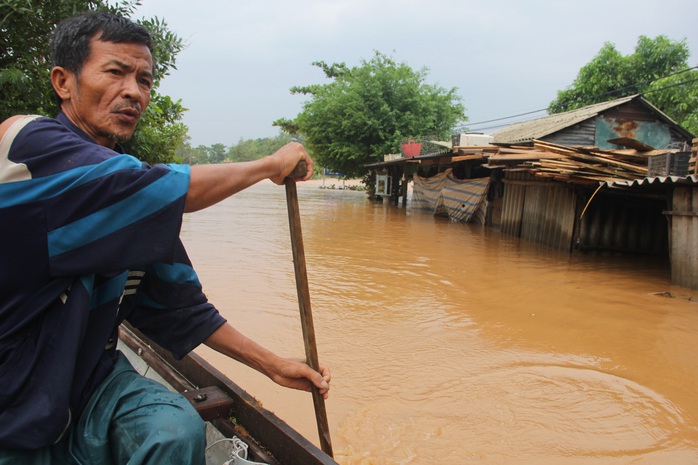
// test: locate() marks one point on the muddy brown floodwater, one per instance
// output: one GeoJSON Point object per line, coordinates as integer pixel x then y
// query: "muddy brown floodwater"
{"type": "Point", "coordinates": [452, 343]}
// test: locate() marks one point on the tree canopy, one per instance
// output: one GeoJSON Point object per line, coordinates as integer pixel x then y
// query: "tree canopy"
{"type": "Point", "coordinates": [658, 68]}
{"type": "Point", "coordinates": [25, 29]}
{"type": "Point", "coordinates": [244, 150]}
{"type": "Point", "coordinates": [366, 112]}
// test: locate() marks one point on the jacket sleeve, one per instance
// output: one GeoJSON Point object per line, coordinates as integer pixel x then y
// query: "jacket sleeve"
{"type": "Point", "coordinates": [170, 307]}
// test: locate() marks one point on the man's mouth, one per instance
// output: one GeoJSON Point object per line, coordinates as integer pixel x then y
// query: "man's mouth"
{"type": "Point", "coordinates": [129, 113]}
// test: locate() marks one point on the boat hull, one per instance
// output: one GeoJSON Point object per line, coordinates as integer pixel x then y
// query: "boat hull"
{"type": "Point", "coordinates": [229, 409]}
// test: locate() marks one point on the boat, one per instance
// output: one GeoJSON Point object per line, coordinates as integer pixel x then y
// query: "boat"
{"type": "Point", "coordinates": [239, 429]}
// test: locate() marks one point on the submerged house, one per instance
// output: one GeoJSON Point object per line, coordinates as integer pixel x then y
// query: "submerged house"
{"type": "Point", "coordinates": [614, 177]}
{"type": "Point", "coordinates": [611, 177]}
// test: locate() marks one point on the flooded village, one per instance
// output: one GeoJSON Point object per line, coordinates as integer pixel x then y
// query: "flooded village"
{"type": "Point", "coordinates": [614, 177]}
{"type": "Point", "coordinates": [525, 297]}
{"type": "Point", "coordinates": [521, 297]}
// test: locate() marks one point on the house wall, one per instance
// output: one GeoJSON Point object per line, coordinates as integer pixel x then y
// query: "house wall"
{"type": "Point", "coordinates": [540, 211]}
{"type": "Point", "coordinates": [513, 202]}
{"type": "Point", "coordinates": [623, 224]}
{"type": "Point", "coordinates": [558, 215]}
{"type": "Point", "coordinates": [582, 134]}
{"type": "Point", "coordinates": [632, 120]}
{"type": "Point", "coordinates": [684, 237]}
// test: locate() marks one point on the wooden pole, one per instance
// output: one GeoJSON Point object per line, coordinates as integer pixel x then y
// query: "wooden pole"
{"type": "Point", "coordinates": [294, 221]}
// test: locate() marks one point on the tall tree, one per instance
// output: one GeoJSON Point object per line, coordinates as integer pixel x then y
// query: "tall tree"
{"type": "Point", "coordinates": [25, 29]}
{"type": "Point", "coordinates": [366, 111]}
{"type": "Point", "coordinates": [658, 68]}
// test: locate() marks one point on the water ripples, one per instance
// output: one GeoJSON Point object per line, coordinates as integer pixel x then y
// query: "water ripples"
{"type": "Point", "coordinates": [453, 344]}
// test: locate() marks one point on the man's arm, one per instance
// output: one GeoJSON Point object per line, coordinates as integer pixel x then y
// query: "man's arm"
{"type": "Point", "coordinates": [210, 184]}
{"type": "Point", "coordinates": [285, 372]}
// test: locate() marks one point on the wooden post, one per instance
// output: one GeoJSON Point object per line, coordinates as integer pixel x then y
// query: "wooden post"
{"type": "Point", "coordinates": [404, 187]}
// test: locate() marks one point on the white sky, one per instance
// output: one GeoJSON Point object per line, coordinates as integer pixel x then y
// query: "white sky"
{"type": "Point", "coordinates": [506, 57]}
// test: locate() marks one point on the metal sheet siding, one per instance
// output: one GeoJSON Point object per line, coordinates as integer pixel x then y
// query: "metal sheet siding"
{"type": "Point", "coordinates": [538, 211]}
{"type": "Point", "coordinates": [624, 225]}
{"type": "Point", "coordinates": [583, 133]}
{"type": "Point", "coordinates": [684, 237]}
{"type": "Point", "coordinates": [512, 204]}
{"type": "Point", "coordinates": [548, 216]}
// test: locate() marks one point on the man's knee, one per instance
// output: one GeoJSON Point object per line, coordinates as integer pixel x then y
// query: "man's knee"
{"type": "Point", "coordinates": [168, 430]}
{"type": "Point", "coordinates": [179, 422]}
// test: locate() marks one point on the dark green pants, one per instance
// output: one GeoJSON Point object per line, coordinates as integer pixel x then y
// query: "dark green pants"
{"type": "Point", "coordinates": [130, 420]}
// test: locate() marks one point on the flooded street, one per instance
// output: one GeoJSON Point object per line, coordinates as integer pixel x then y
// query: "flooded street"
{"type": "Point", "coordinates": [453, 344]}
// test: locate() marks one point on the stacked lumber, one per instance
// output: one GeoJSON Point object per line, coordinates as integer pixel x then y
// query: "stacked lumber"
{"type": "Point", "coordinates": [592, 164]}
{"type": "Point", "coordinates": [692, 165]}
{"type": "Point", "coordinates": [582, 165]}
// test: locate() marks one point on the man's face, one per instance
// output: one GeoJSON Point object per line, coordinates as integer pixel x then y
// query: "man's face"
{"type": "Point", "coordinates": [107, 98]}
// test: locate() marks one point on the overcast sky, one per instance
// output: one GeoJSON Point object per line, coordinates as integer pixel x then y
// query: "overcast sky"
{"type": "Point", "coordinates": [506, 57]}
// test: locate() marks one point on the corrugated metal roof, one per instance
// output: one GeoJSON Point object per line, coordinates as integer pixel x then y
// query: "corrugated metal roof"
{"type": "Point", "coordinates": [693, 179]}
{"type": "Point", "coordinates": [538, 128]}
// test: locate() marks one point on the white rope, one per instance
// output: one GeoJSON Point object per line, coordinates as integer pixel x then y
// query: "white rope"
{"type": "Point", "coordinates": [239, 452]}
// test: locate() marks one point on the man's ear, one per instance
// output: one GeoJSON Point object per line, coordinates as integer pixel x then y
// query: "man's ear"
{"type": "Point", "coordinates": [63, 82]}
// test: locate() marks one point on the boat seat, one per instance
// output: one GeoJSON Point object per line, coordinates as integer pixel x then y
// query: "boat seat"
{"type": "Point", "coordinates": [210, 402]}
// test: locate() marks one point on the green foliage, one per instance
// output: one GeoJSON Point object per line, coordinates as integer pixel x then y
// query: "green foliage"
{"type": "Point", "coordinates": [655, 69]}
{"type": "Point", "coordinates": [678, 97]}
{"type": "Point", "coordinates": [192, 156]}
{"type": "Point", "coordinates": [252, 149]}
{"type": "Point", "coordinates": [160, 131]}
{"type": "Point", "coordinates": [366, 111]}
{"type": "Point", "coordinates": [244, 150]}
{"type": "Point", "coordinates": [25, 29]}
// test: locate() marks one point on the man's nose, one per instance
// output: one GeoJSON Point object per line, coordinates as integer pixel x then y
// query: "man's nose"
{"type": "Point", "coordinates": [131, 90]}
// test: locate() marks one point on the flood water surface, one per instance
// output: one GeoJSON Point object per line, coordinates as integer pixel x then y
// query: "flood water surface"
{"type": "Point", "coordinates": [451, 343]}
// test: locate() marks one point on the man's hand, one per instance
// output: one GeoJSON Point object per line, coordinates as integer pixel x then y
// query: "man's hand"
{"type": "Point", "coordinates": [287, 158]}
{"type": "Point", "coordinates": [291, 373]}
{"type": "Point", "coordinates": [296, 374]}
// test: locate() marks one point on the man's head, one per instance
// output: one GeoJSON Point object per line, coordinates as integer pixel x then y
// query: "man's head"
{"type": "Point", "coordinates": [102, 73]}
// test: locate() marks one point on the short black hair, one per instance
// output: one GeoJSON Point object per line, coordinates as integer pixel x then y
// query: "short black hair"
{"type": "Point", "coordinates": [70, 41]}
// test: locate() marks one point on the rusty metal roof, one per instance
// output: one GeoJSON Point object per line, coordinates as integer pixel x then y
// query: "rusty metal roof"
{"type": "Point", "coordinates": [527, 131]}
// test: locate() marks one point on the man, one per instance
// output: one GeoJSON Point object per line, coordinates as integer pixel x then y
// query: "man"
{"type": "Point", "coordinates": [90, 238]}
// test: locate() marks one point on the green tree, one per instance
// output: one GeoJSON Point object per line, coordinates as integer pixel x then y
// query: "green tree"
{"type": "Point", "coordinates": [217, 153]}
{"type": "Point", "coordinates": [199, 155]}
{"type": "Point", "coordinates": [252, 149]}
{"type": "Point", "coordinates": [160, 132]}
{"type": "Point", "coordinates": [25, 29]}
{"type": "Point", "coordinates": [677, 96]}
{"type": "Point", "coordinates": [658, 68]}
{"type": "Point", "coordinates": [366, 111]}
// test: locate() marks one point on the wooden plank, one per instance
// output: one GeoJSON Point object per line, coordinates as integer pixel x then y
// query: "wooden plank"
{"type": "Point", "coordinates": [531, 155]}
{"type": "Point", "coordinates": [631, 143]}
{"type": "Point", "coordinates": [631, 153]}
{"type": "Point", "coordinates": [601, 159]}
{"type": "Point", "coordinates": [478, 156]}
{"type": "Point", "coordinates": [477, 148]}
{"type": "Point", "coordinates": [210, 402]}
